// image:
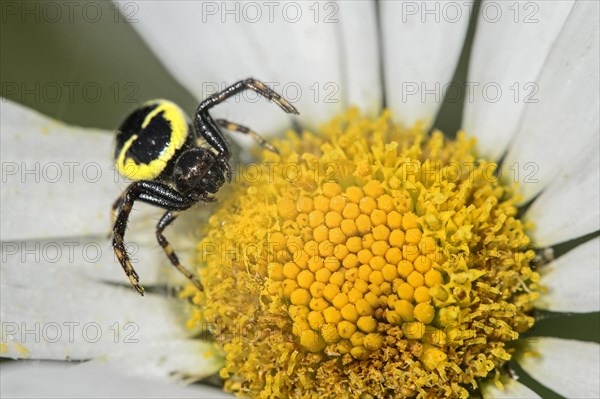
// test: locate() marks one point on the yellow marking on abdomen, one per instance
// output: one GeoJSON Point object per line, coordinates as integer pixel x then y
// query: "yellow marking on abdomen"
{"type": "Point", "coordinates": [179, 131]}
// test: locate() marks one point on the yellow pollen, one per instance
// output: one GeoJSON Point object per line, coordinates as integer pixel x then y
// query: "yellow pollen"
{"type": "Point", "coordinates": [387, 255]}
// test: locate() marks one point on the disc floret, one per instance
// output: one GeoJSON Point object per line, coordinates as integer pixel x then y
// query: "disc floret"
{"type": "Point", "coordinates": [369, 259]}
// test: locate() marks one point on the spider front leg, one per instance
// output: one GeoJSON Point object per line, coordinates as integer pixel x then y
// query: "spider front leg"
{"type": "Point", "coordinates": [125, 203]}
{"type": "Point", "coordinates": [151, 192]}
{"type": "Point", "coordinates": [206, 127]}
{"type": "Point", "coordinates": [166, 220]}
{"type": "Point", "coordinates": [113, 213]}
{"type": "Point", "coordinates": [248, 84]}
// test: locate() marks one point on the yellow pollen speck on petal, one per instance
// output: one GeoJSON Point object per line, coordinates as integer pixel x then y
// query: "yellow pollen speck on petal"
{"type": "Point", "coordinates": [380, 258]}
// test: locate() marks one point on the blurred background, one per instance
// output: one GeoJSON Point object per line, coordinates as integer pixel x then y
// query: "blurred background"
{"type": "Point", "coordinates": [80, 62]}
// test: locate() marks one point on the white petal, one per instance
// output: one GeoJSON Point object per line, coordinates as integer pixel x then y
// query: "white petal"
{"type": "Point", "coordinates": [568, 207]}
{"type": "Point", "coordinates": [62, 380]}
{"type": "Point", "coordinates": [573, 281]}
{"type": "Point", "coordinates": [510, 47]}
{"type": "Point", "coordinates": [295, 47]}
{"type": "Point", "coordinates": [56, 312]}
{"type": "Point", "coordinates": [45, 214]}
{"type": "Point", "coordinates": [358, 23]}
{"type": "Point", "coordinates": [422, 42]}
{"type": "Point", "coordinates": [187, 359]}
{"type": "Point", "coordinates": [57, 180]}
{"type": "Point", "coordinates": [95, 259]}
{"type": "Point", "coordinates": [568, 367]}
{"type": "Point", "coordinates": [511, 389]}
{"type": "Point", "coordinates": [565, 122]}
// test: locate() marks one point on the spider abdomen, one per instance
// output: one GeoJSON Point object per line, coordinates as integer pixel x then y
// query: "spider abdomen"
{"type": "Point", "coordinates": [149, 138]}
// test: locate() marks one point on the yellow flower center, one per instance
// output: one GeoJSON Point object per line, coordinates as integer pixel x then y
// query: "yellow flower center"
{"type": "Point", "coordinates": [366, 260]}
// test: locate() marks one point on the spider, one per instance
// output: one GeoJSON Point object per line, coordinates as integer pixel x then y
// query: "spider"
{"type": "Point", "coordinates": [172, 167]}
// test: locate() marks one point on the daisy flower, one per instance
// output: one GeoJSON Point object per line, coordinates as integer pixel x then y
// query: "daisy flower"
{"type": "Point", "coordinates": [373, 257]}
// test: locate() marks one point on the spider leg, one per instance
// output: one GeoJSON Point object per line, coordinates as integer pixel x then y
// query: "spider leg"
{"type": "Point", "coordinates": [166, 220]}
{"type": "Point", "coordinates": [207, 129]}
{"type": "Point", "coordinates": [234, 127]}
{"type": "Point", "coordinates": [248, 84]}
{"type": "Point", "coordinates": [147, 191]}
{"type": "Point", "coordinates": [129, 197]}
{"type": "Point", "coordinates": [113, 214]}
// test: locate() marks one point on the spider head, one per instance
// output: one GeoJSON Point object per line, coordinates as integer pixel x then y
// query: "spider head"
{"type": "Point", "coordinates": [198, 172]}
